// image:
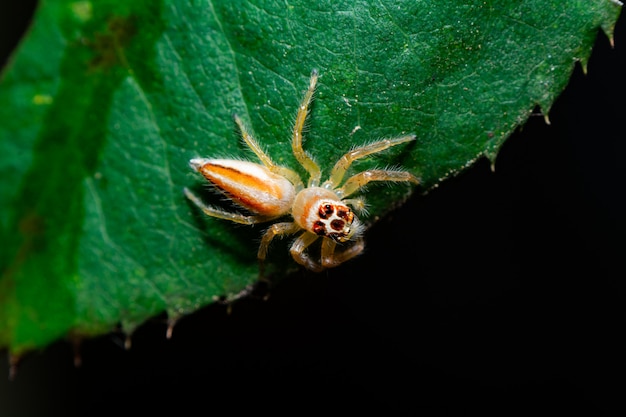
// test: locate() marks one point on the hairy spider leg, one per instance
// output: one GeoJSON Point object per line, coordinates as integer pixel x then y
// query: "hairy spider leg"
{"type": "Point", "coordinates": [361, 179]}
{"type": "Point", "coordinates": [340, 168]}
{"type": "Point", "coordinates": [299, 254]}
{"type": "Point", "coordinates": [331, 258]}
{"type": "Point", "coordinates": [358, 204]}
{"type": "Point", "coordinates": [252, 143]}
{"type": "Point", "coordinates": [303, 158]}
{"type": "Point", "coordinates": [277, 229]}
{"type": "Point", "coordinates": [226, 215]}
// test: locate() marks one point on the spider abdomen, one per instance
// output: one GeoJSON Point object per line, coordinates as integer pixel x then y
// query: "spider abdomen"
{"type": "Point", "coordinates": [322, 212]}
{"type": "Point", "coordinates": [250, 185]}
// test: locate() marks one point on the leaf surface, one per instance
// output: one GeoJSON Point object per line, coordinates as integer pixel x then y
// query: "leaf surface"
{"type": "Point", "coordinates": [105, 102]}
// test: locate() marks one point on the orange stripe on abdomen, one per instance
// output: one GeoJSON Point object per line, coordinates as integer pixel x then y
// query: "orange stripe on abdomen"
{"type": "Point", "coordinates": [251, 185]}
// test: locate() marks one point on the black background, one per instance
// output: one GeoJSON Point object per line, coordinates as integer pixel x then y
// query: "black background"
{"type": "Point", "coordinates": [499, 293]}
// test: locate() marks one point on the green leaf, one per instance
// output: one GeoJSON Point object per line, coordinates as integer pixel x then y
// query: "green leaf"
{"type": "Point", "coordinates": [105, 102]}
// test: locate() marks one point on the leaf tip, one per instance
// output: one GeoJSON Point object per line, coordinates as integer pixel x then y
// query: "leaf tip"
{"type": "Point", "coordinates": [128, 343]}
{"type": "Point", "coordinates": [583, 61]}
{"type": "Point", "coordinates": [14, 361]}
{"type": "Point", "coordinates": [492, 155]}
{"type": "Point", "coordinates": [546, 119]}
{"type": "Point", "coordinates": [611, 39]}
{"type": "Point", "coordinates": [76, 348]}
{"type": "Point", "coordinates": [608, 26]}
{"type": "Point", "coordinates": [543, 109]}
{"type": "Point", "coordinates": [608, 31]}
{"type": "Point", "coordinates": [170, 328]}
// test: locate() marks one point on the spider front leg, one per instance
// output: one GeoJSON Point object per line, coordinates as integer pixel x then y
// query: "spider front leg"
{"type": "Point", "coordinates": [361, 179]}
{"type": "Point", "coordinates": [296, 142]}
{"type": "Point", "coordinates": [299, 254]}
{"type": "Point", "coordinates": [340, 168]}
{"type": "Point", "coordinates": [331, 258]}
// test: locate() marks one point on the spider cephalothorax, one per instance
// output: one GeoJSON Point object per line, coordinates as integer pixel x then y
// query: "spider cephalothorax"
{"type": "Point", "coordinates": [318, 210]}
{"type": "Point", "coordinates": [322, 212]}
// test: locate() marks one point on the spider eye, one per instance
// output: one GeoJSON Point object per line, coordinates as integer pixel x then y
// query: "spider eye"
{"type": "Point", "coordinates": [346, 214]}
{"type": "Point", "coordinates": [337, 225]}
{"type": "Point", "coordinates": [326, 210]}
{"type": "Point", "coordinates": [319, 228]}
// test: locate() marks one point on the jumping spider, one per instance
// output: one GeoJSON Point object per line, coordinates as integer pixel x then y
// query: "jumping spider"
{"type": "Point", "coordinates": [318, 210]}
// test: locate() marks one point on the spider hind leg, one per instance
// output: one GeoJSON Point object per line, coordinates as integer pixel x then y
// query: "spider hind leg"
{"type": "Point", "coordinates": [223, 214]}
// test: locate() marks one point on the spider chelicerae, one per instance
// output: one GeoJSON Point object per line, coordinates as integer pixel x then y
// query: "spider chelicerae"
{"type": "Point", "coordinates": [318, 210]}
